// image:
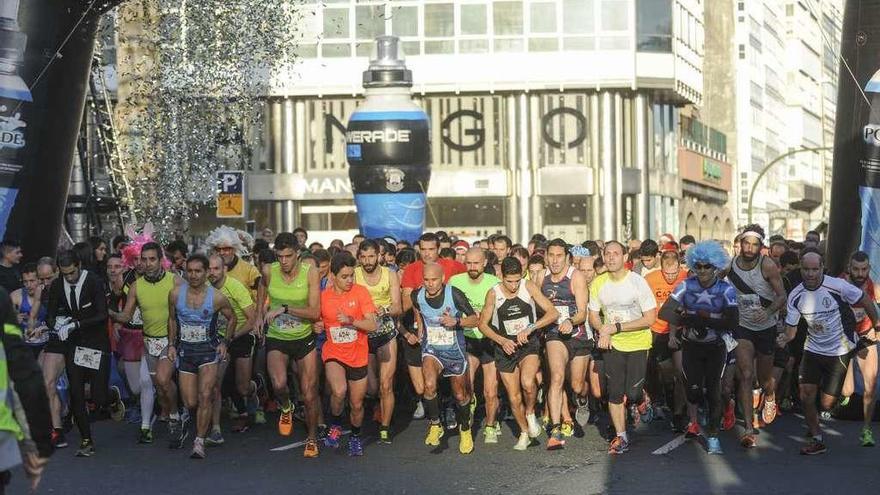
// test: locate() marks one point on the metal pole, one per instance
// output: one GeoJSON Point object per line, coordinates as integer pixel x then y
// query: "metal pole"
{"type": "Point", "coordinates": [774, 162]}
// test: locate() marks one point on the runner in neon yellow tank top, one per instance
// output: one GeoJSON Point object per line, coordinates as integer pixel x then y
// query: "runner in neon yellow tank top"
{"type": "Point", "coordinates": [293, 293]}
{"type": "Point", "coordinates": [150, 294]}
{"type": "Point", "coordinates": [384, 289]}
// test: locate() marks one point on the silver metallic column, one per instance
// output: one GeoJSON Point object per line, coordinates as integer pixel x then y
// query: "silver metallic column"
{"type": "Point", "coordinates": [641, 161]}
{"type": "Point", "coordinates": [609, 172]}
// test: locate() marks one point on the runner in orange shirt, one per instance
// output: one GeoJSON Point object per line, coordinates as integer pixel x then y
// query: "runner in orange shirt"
{"type": "Point", "coordinates": [348, 315]}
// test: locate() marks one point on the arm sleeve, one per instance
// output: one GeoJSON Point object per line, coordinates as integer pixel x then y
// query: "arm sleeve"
{"type": "Point", "coordinates": [461, 302]}
{"type": "Point", "coordinates": [28, 379]}
{"type": "Point", "coordinates": [793, 315]}
{"type": "Point", "coordinates": [647, 301]}
{"type": "Point", "coordinates": [100, 302]}
{"type": "Point", "coordinates": [851, 293]}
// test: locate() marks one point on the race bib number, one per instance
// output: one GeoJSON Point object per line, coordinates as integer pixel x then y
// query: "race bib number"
{"type": "Point", "coordinates": [513, 327]}
{"type": "Point", "coordinates": [750, 307]}
{"type": "Point", "coordinates": [564, 314]}
{"type": "Point", "coordinates": [816, 327]}
{"type": "Point", "coordinates": [137, 318]}
{"type": "Point", "coordinates": [440, 336]}
{"type": "Point", "coordinates": [343, 335]}
{"type": "Point", "coordinates": [87, 358]}
{"type": "Point", "coordinates": [287, 322]}
{"type": "Point", "coordinates": [729, 342]}
{"type": "Point", "coordinates": [193, 333]}
{"type": "Point", "coordinates": [155, 346]}
{"type": "Point", "coordinates": [617, 316]}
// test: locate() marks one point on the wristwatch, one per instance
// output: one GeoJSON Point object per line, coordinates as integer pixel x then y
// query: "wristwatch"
{"type": "Point", "coordinates": [617, 326]}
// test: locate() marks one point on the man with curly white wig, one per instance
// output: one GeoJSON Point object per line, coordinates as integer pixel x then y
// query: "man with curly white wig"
{"type": "Point", "coordinates": [228, 243]}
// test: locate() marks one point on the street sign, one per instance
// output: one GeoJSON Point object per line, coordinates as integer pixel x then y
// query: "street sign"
{"type": "Point", "coordinates": [230, 194]}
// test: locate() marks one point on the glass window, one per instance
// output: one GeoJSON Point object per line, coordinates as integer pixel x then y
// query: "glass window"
{"type": "Point", "coordinates": [615, 15]}
{"type": "Point", "coordinates": [577, 16]}
{"type": "Point", "coordinates": [336, 23]}
{"type": "Point", "coordinates": [405, 21]}
{"type": "Point", "coordinates": [508, 17]}
{"type": "Point", "coordinates": [412, 48]}
{"type": "Point", "coordinates": [364, 49]}
{"type": "Point", "coordinates": [307, 50]}
{"type": "Point", "coordinates": [654, 24]}
{"type": "Point", "coordinates": [473, 19]}
{"type": "Point", "coordinates": [578, 43]}
{"type": "Point", "coordinates": [446, 46]}
{"type": "Point", "coordinates": [614, 43]}
{"type": "Point", "coordinates": [336, 50]}
{"type": "Point", "coordinates": [439, 20]}
{"type": "Point", "coordinates": [509, 45]}
{"type": "Point", "coordinates": [369, 21]}
{"type": "Point", "coordinates": [473, 46]}
{"type": "Point", "coordinates": [543, 44]}
{"type": "Point", "coordinates": [542, 17]}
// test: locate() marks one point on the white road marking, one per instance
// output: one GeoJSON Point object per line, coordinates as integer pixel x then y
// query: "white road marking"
{"type": "Point", "coordinates": [298, 444]}
{"type": "Point", "coordinates": [672, 445]}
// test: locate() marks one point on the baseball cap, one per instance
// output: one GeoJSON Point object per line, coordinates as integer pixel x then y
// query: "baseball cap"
{"type": "Point", "coordinates": [461, 246]}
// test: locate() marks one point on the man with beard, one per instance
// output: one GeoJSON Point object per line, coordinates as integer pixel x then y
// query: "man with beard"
{"type": "Point", "coordinates": [384, 288]}
{"type": "Point", "coordinates": [761, 295]}
{"type": "Point", "coordinates": [480, 352]}
{"type": "Point", "coordinates": [866, 353]}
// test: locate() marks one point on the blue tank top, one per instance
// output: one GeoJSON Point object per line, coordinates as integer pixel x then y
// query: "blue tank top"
{"type": "Point", "coordinates": [435, 335]}
{"type": "Point", "coordinates": [196, 325]}
{"type": "Point", "coordinates": [562, 298]}
{"type": "Point", "coordinates": [25, 309]}
{"type": "Point", "coordinates": [695, 299]}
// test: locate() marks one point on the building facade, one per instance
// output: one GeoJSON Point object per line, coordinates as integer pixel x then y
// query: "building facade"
{"type": "Point", "coordinates": [552, 116]}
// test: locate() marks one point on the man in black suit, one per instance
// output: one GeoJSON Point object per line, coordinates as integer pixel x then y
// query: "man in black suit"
{"type": "Point", "coordinates": [77, 311]}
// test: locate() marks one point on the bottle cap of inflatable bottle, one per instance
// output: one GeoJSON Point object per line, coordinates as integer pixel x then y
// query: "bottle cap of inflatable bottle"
{"type": "Point", "coordinates": [387, 67]}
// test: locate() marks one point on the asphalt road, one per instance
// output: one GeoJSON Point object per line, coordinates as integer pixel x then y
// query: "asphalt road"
{"type": "Point", "coordinates": [247, 464]}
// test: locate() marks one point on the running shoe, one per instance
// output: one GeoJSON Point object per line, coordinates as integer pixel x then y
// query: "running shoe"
{"type": "Point", "coordinates": [646, 412]}
{"type": "Point", "coordinates": [146, 436]}
{"type": "Point", "coordinates": [198, 451]}
{"type": "Point", "coordinates": [815, 447]}
{"type": "Point", "coordinates": [490, 433]}
{"type": "Point", "coordinates": [749, 440]}
{"type": "Point", "coordinates": [618, 446]}
{"type": "Point", "coordinates": [757, 397]}
{"type": "Point", "coordinates": [332, 439]}
{"type": "Point", "coordinates": [768, 414]}
{"type": "Point", "coordinates": [843, 402]}
{"type": "Point", "coordinates": [449, 415]}
{"type": "Point", "coordinates": [384, 436]}
{"type": "Point", "coordinates": [311, 450]}
{"type": "Point", "coordinates": [435, 433]}
{"type": "Point", "coordinates": [86, 448]}
{"type": "Point", "coordinates": [634, 415]}
{"type": "Point", "coordinates": [713, 446]}
{"type": "Point", "coordinates": [322, 431]}
{"type": "Point", "coordinates": [177, 433]}
{"type": "Point", "coordinates": [241, 423]}
{"type": "Point", "coordinates": [57, 438]}
{"type": "Point", "coordinates": [693, 430]}
{"type": "Point", "coordinates": [567, 429]}
{"type": "Point", "coordinates": [285, 422]}
{"type": "Point", "coordinates": [786, 405]}
{"type": "Point", "coordinates": [117, 407]}
{"type": "Point", "coordinates": [260, 417]}
{"type": "Point", "coordinates": [866, 439]}
{"type": "Point", "coordinates": [465, 441]}
{"type": "Point", "coordinates": [419, 413]}
{"type": "Point", "coordinates": [582, 414]}
{"type": "Point", "coordinates": [825, 415]}
{"type": "Point", "coordinates": [523, 442]}
{"type": "Point", "coordinates": [214, 439]}
{"type": "Point", "coordinates": [729, 419]}
{"type": "Point", "coordinates": [299, 412]}
{"type": "Point", "coordinates": [555, 440]}
{"type": "Point", "coordinates": [355, 447]}
{"type": "Point", "coordinates": [534, 427]}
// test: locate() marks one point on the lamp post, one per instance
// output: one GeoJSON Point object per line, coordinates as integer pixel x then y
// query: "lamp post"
{"type": "Point", "coordinates": [774, 162]}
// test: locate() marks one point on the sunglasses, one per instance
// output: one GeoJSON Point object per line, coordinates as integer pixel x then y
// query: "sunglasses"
{"type": "Point", "coordinates": [703, 266]}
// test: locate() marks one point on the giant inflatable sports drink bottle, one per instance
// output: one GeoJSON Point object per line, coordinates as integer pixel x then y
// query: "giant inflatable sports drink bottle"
{"type": "Point", "coordinates": [854, 220]}
{"type": "Point", "coordinates": [389, 149]}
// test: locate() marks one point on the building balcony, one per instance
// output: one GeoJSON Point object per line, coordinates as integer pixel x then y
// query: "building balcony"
{"type": "Point", "coordinates": [805, 197]}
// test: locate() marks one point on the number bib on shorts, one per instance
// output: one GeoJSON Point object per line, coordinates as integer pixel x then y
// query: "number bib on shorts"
{"type": "Point", "coordinates": [288, 323]}
{"type": "Point", "coordinates": [87, 358]}
{"type": "Point", "coordinates": [343, 335]}
{"type": "Point", "coordinates": [155, 345]}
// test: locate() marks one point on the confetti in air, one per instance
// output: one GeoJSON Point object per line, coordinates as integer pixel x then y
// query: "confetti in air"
{"type": "Point", "coordinates": [194, 75]}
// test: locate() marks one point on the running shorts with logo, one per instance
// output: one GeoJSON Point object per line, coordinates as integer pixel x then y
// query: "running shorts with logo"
{"type": "Point", "coordinates": [445, 345]}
